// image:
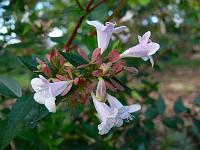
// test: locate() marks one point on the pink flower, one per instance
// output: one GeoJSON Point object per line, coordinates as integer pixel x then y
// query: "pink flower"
{"type": "Point", "coordinates": [104, 33]}
{"type": "Point", "coordinates": [46, 92]}
{"type": "Point", "coordinates": [145, 49]}
{"type": "Point", "coordinates": [124, 112]}
{"type": "Point", "coordinates": [107, 116]}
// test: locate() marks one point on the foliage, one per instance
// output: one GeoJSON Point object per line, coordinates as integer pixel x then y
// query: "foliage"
{"type": "Point", "coordinates": [73, 126]}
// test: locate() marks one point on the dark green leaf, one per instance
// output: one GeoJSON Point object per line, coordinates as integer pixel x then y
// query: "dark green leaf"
{"type": "Point", "coordinates": [179, 107]}
{"type": "Point", "coordinates": [160, 105]}
{"type": "Point", "coordinates": [29, 62]}
{"type": "Point", "coordinates": [9, 87]}
{"type": "Point", "coordinates": [24, 112]}
{"type": "Point", "coordinates": [73, 59]}
{"type": "Point", "coordinates": [151, 113]}
{"type": "Point", "coordinates": [170, 123]}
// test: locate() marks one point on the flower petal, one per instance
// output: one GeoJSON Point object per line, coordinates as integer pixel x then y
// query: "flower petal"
{"type": "Point", "coordinates": [119, 29]}
{"type": "Point", "coordinates": [41, 96]}
{"type": "Point", "coordinates": [152, 48]}
{"type": "Point", "coordinates": [145, 38]}
{"type": "Point", "coordinates": [134, 108]}
{"type": "Point", "coordinates": [102, 109]}
{"type": "Point", "coordinates": [151, 60]}
{"type": "Point", "coordinates": [145, 58]}
{"type": "Point", "coordinates": [50, 104]}
{"type": "Point", "coordinates": [37, 84]}
{"type": "Point", "coordinates": [113, 102]}
{"type": "Point", "coordinates": [57, 88]}
{"type": "Point", "coordinates": [96, 24]}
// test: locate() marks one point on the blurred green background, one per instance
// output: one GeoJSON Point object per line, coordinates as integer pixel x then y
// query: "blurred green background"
{"type": "Point", "coordinates": [168, 93]}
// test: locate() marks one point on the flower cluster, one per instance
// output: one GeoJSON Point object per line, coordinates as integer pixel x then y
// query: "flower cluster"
{"type": "Point", "coordinates": [80, 77]}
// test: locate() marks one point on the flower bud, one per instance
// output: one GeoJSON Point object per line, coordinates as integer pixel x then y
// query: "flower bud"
{"type": "Point", "coordinates": [106, 67]}
{"type": "Point", "coordinates": [101, 90]}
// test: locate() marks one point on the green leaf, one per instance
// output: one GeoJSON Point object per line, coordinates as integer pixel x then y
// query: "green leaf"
{"type": "Point", "coordinates": [151, 113]}
{"type": "Point", "coordinates": [29, 62]}
{"type": "Point", "coordinates": [144, 2]}
{"type": "Point", "coordinates": [179, 107]}
{"type": "Point", "coordinates": [73, 59]}
{"type": "Point", "coordinates": [9, 87]}
{"type": "Point", "coordinates": [170, 122]}
{"type": "Point", "coordinates": [160, 105]}
{"type": "Point", "coordinates": [25, 111]}
{"type": "Point", "coordinates": [197, 101]}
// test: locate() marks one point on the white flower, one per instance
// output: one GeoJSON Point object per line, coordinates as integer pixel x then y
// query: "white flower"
{"type": "Point", "coordinates": [124, 112]}
{"type": "Point", "coordinates": [107, 116]}
{"type": "Point", "coordinates": [104, 33]}
{"type": "Point", "coordinates": [145, 49]}
{"type": "Point", "coordinates": [46, 92]}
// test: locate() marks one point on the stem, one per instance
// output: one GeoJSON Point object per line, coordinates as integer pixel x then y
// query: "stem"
{"type": "Point", "coordinates": [80, 20]}
{"type": "Point", "coordinates": [89, 4]}
{"type": "Point", "coordinates": [79, 4]}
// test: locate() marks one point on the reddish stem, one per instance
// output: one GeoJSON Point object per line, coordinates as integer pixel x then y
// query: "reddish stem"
{"type": "Point", "coordinates": [70, 40]}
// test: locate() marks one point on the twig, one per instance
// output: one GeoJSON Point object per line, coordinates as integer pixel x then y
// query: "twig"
{"type": "Point", "coordinates": [79, 4]}
{"type": "Point", "coordinates": [69, 42]}
{"type": "Point", "coordinates": [89, 4]}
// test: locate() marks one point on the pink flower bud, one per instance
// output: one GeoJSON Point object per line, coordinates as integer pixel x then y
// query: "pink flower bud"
{"type": "Point", "coordinates": [101, 90]}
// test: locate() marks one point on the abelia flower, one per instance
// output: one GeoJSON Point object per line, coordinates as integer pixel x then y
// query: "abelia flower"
{"type": "Point", "coordinates": [107, 116]}
{"type": "Point", "coordinates": [46, 92]}
{"type": "Point", "coordinates": [101, 90]}
{"type": "Point", "coordinates": [145, 49]}
{"type": "Point", "coordinates": [124, 112]}
{"type": "Point", "coordinates": [104, 33]}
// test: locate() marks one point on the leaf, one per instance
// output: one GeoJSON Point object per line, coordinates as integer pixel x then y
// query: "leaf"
{"type": "Point", "coordinates": [151, 113]}
{"type": "Point", "coordinates": [9, 87]}
{"type": "Point", "coordinates": [144, 2]}
{"type": "Point", "coordinates": [73, 59]}
{"type": "Point", "coordinates": [29, 62]}
{"type": "Point", "coordinates": [197, 101]}
{"type": "Point", "coordinates": [160, 105]}
{"type": "Point", "coordinates": [179, 107]}
{"type": "Point", "coordinates": [170, 122]}
{"type": "Point", "coordinates": [25, 113]}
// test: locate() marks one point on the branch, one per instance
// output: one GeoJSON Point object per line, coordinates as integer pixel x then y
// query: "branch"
{"type": "Point", "coordinates": [79, 4]}
{"type": "Point", "coordinates": [89, 4]}
{"type": "Point", "coordinates": [80, 20]}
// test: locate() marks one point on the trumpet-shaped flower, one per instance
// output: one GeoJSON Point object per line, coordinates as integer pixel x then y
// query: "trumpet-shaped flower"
{"type": "Point", "coordinates": [145, 49]}
{"type": "Point", "coordinates": [107, 116]}
{"type": "Point", "coordinates": [104, 33]}
{"type": "Point", "coordinates": [124, 112]}
{"type": "Point", "coordinates": [46, 92]}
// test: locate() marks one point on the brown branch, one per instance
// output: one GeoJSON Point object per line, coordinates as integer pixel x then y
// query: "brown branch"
{"type": "Point", "coordinates": [80, 20]}
{"type": "Point", "coordinates": [89, 4]}
{"type": "Point", "coordinates": [79, 4]}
